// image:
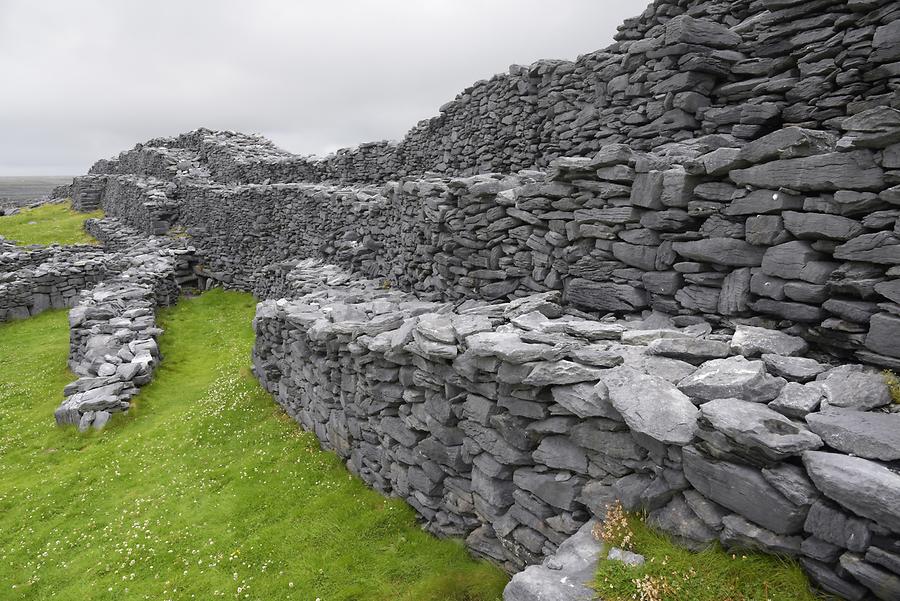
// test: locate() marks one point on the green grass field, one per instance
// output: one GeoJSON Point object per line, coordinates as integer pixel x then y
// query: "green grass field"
{"type": "Point", "coordinates": [675, 574]}
{"type": "Point", "coordinates": [205, 490]}
{"type": "Point", "coordinates": [48, 224]}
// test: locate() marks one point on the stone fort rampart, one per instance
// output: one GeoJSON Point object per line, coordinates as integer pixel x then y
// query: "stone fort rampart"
{"type": "Point", "coordinates": [592, 280]}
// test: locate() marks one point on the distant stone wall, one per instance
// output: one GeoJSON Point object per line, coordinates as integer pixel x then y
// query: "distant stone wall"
{"type": "Point", "coordinates": [511, 425]}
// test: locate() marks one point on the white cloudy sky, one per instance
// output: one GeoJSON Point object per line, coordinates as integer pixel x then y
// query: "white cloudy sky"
{"type": "Point", "coordinates": [85, 79]}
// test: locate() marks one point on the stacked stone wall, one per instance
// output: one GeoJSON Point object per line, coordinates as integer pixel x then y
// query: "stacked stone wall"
{"type": "Point", "coordinates": [511, 425]}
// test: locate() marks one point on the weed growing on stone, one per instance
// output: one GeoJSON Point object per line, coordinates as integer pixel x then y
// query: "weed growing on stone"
{"type": "Point", "coordinates": [48, 224]}
{"type": "Point", "coordinates": [205, 490]}
{"type": "Point", "coordinates": [893, 384]}
{"type": "Point", "coordinates": [672, 573]}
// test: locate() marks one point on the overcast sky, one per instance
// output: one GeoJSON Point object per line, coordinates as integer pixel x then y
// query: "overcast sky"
{"type": "Point", "coordinates": [86, 79]}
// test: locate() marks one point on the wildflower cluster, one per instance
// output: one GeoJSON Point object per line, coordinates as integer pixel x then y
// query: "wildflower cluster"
{"type": "Point", "coordinates": [615, 530]}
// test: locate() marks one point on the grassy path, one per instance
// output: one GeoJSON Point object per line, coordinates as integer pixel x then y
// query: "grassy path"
{"type": "Point", "coordinates": [204, 491]}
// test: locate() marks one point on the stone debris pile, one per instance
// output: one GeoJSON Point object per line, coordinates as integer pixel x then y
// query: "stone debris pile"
{"type": "Point", "coordinates": [513, 424]}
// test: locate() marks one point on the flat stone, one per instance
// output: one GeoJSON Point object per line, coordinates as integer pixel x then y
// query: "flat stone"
{"type": "Point", "coordinates": [687, 30]}
{"type": "Point", "coordinates": [561, 453]}
{"type": "Point", "coordinates": [605, 296]}
{"type": "Point", "coordinates": [786, 143]}
{"type": "Point", "coordinates": [800, 369]}
{"type": "Point", "coordinates": [507, 346]}
{"type": "Point", "coordinates": [884, 334]}
{"type": "Point", "coordinates": [593, 330]}
{"type": "Point", "coordinates": [797, 261]}
{"type": "Point", "coordinates": [582, 400]}
{"type": "Point", "coordinates": [734, 377]}
{"type": "Point", "coordinates": [882, 583]}
{"type": "Point", "coordinates": [650, 405]}
{"type": "Point", "coordinates": [751, 341]}
{"type": "Point", "coordinates": [436, 327]}
{"type": "Point", "coordinates": [826, 579]}
{"type": "Point", "coordinates": [877, 127]}
{"type": "Point", "coordinates": [854, 170]}
{"type": "Point", "coordinates": [692, 350]}
{"type": "Point", "coordinates": [880, 247]}
{"type": "Point", "coordinates": [721, 251]}
{"type": "Point", "coordinates": [739, 533]}
{"type": "Point", "coordinates": [554, 373]}
{"type": "Point", "coordinates": [558, 489]}
{"type": "Point", "coordinates": [818, 226]}
{"type": "Point", "coordinates": [881, 557]}
{"type": "Point", "coordinates": [828, 523]}
{"type": "Point", "coordinates": [567, 576]}
{"type": "Point", "coordinates": [751, 431]}
{"type": "Point", "coordinates": [820, 550]}
{"type": "Point", "coordinates": [791, 481]}
{"type": "Point", "coordinates": [798, 400]}
{"type": "Point", "coordinates": [861, 433]}
{"type": "Point", "coordinates": [596, 356]}
{"type": "Point", "coordinates": [852, 388]}
{"type": "Point", "coordinates": [743, 490]}
{"type": "Point", "coordinates": [761, 202]}
{"type": "Point", "coordinates": [709, 513]}
{"type": "Point", "coordinates": [864, 487]}
{"type": "Point", "coordinates": [678, 521]}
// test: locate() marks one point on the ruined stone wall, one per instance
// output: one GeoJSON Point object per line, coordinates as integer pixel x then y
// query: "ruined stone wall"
{"type": "Point", "coordinates": [511, 425]}
{"type": "Point", "coordinates": [112, 326]}
{"type": "Point", "coordinates": [722, 166]}
{"type": "Point", "coordinates": [34, 279]}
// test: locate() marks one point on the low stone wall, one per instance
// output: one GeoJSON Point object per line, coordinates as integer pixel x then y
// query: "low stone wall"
{"type": "Point", "coordinates": [34, 279]}
{"type": "Point", "coordinates": [512, 424]}
{"type": "Point", "coordinates": [113, 332]}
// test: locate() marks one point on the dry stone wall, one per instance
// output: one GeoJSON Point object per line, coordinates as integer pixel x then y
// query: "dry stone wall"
{"type": "Point", "coordinates": [513, 424]}
{"type": "Point", "coordinates": [34, 279]}
{"type": "Point", "coordinates": [795, 229]}
{"type": "Point", "coordinates": [664, 227]}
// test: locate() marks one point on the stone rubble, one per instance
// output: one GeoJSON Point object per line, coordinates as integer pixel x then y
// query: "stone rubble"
{"type": "Point", "coordinates": [113, 332]}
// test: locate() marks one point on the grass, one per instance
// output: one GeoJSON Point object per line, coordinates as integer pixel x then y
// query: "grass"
{"type": "Point", "coordinates": [47, 224]}
{"type": "Point", "coordinates": [205, 490]}
{"type": "Point", "coordinates": [893, 384]}
{"type": "Point", "coordinates": [675, 574]}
